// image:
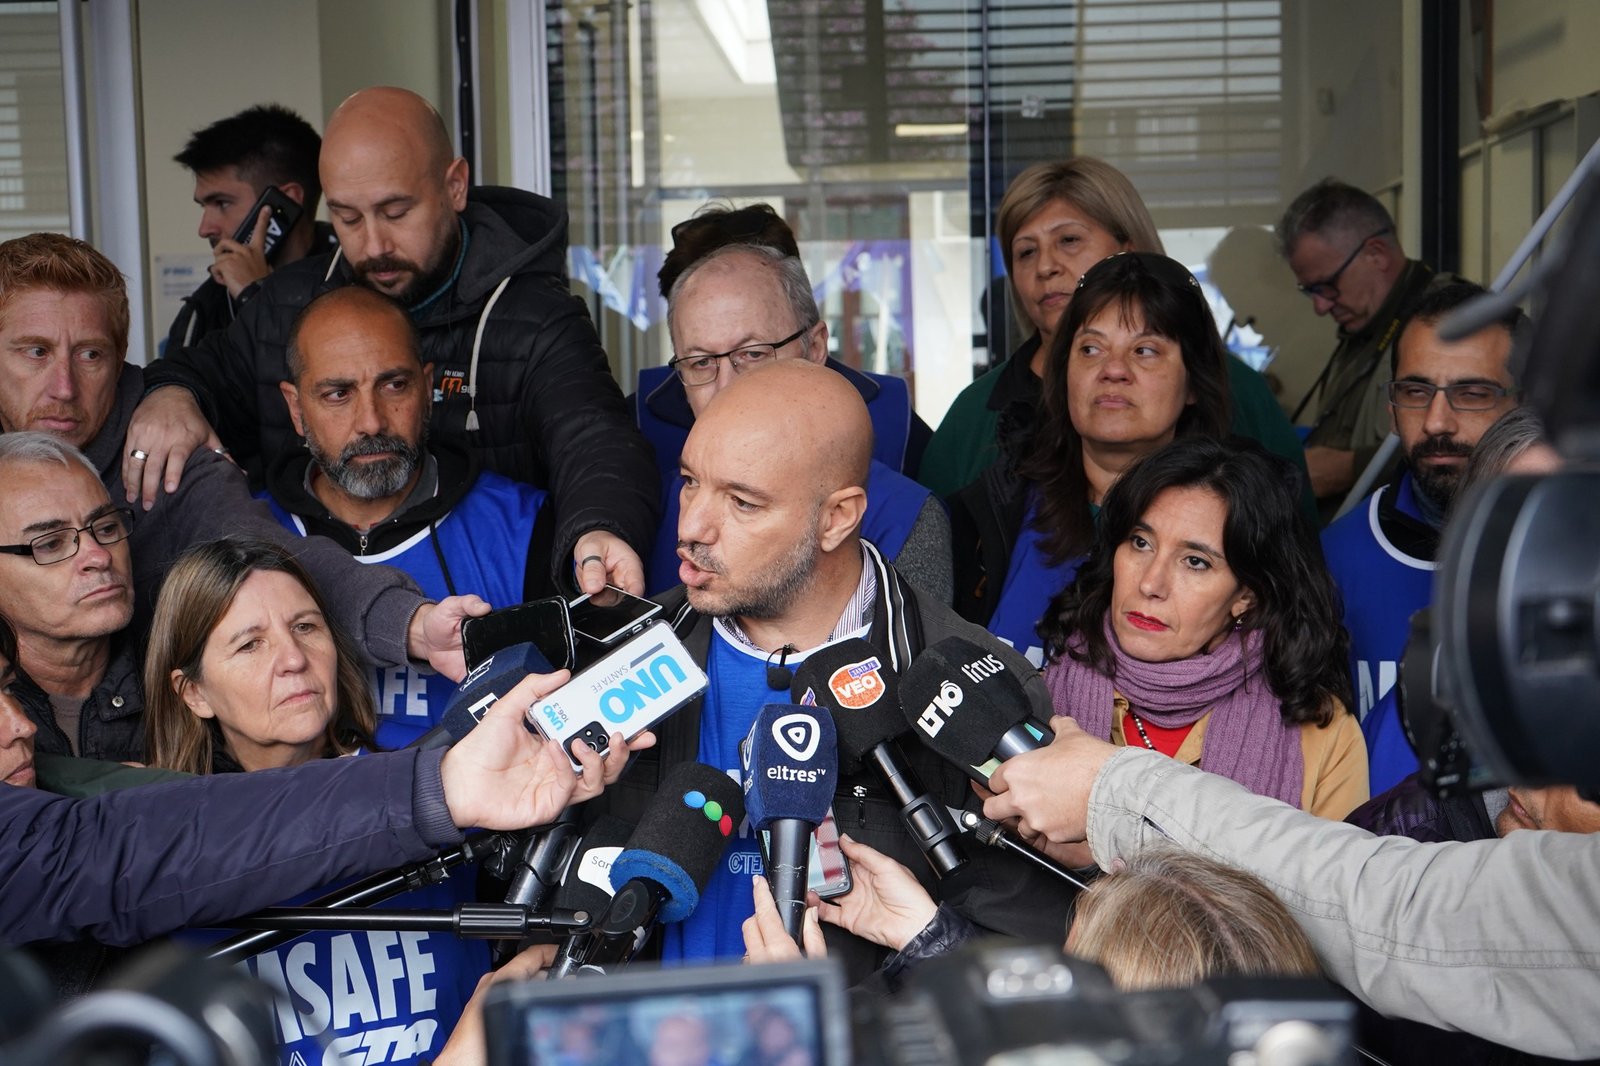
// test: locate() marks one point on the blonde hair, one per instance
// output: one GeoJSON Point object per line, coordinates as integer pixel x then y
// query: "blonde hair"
{"type": "Point", "coordinates": [1094, 187]}
{"type": "Point", "coordinates": [197, 592]}
{"type": "Point", "coordinates": [59, 263]}
{"type": "Point", "coordinates": [1172, 919]}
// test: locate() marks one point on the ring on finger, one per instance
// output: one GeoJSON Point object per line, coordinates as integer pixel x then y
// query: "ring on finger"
{"type": "Point", "coordinates": [139, 455]}
{"type": "Point", "coordinates": [587, 559]}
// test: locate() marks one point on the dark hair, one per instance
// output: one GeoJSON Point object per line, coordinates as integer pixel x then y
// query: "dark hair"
{"type": "Point", "coordinates": [8, 641]}
{"type": "Point", "coordinates": [1333, 206]}
{"type": "Point", "coordinates": [359, 298]}
{"type": "Point", "coordinates": [1439, 300]}
{"type": "Point", "coordinates": [714, 226]}
{"type": "Point", "coordinates": [1271, 548]}
{"type": "Point", "coordinates": [269, 144]}
{"type": "Point", "coordinates": [1166, 296]}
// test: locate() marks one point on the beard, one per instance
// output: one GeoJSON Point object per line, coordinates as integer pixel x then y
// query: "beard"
{"type": "Point", "coordinates": [425, 280]}
{"type": "Point", "coordinates": [767, 594]}
{"type": "Point", "coordinates": [372, 480]}
{"type": "Point", "coordinates": [1439, 484]}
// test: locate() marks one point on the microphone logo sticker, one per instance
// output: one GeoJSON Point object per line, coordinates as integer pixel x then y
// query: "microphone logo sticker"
{"type": "Point", "coordinates": [797, 735]}
{"type": "Point", "coordinates": [858, 685]}
{"type": "Point", "coordinates": [934, 715]}
{"type": "Point", "coordinates": [595, 868]}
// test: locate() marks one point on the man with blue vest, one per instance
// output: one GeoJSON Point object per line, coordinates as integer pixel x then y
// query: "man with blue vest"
{"type": "Point", "coordinates": [369, 480]}
{"type": "Point", "coordinates": [774, 566]}
{"type": "Point", "coordinates": [1443, 396]}
{"type": "Point", "coordinates": [739, 307]}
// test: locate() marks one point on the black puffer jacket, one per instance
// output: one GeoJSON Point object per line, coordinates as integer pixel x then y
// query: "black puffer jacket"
{"type": "Point", "coordinates": [548, 411]}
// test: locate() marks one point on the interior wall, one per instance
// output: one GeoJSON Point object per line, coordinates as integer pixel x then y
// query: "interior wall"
{"type": "Point", "coordinates": [387, 42]}
{"type": "Point", "coordinates": [201, 60]}
{"type": "Point", "coordinates": [1543, 50]}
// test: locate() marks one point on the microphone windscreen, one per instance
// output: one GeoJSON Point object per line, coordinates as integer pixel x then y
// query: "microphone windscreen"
{"type": "Point", "coordinates": [490, 680]}
{"type": "Point", "coordinates": [682, 835]}
{"type": "Point", "coordinates": [791, 764]}
{"type": "Point", "coordinates": [959, 700]}
{"type": "Point", "coordinates": [587, 885]}
{"type": "Point", "coordinates": [853, 682]}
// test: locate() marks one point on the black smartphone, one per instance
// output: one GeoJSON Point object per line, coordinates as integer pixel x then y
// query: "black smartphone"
{"type": "Point", "coordinates": [544, 623]}
{"type": "Point", "coordinates": [828, 874]}
{"type": "Point", "coordinates": [610, 615]}
{"type": "Point", "coordinates": [285, 213]}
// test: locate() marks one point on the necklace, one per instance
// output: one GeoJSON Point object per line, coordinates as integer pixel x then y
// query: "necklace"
{"type": "Point", "coordinates": [1137, 724]}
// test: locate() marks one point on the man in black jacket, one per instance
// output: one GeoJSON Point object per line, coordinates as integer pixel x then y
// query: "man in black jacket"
{"type": "Point", "coordinates": [775, 568]}
{"type": "Point", "coordinates": [518, 371]}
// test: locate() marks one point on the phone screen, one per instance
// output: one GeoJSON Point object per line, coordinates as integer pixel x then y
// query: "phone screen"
{"type": "Point", "coordinates": [541, 622]}
{"type": "Point", "coordinates": [609, 614]}
{"type": "Point", "coordinates": [829, 871]}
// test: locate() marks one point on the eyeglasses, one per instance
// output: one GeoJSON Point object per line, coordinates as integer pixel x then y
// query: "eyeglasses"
{"type": "Point", "coordinates": [1328, 287]}
{"type": "Point", "coordinates": [1467, 396]}
{"type": "Point", "coordinates": [59, 545]}
{"type": "Point", "coordinates": [697, 370]}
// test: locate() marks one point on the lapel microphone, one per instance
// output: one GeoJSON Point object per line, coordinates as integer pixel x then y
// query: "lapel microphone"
{"type": "Point", "coordinates": [780, 677]}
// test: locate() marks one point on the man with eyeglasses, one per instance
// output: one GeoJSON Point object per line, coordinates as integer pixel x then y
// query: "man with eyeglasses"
{"type": "Point", "coordinates": [1442, 397]}
{"type": "Point", "coordinates": [1345, 253]}
{"type": "Point", "coordinates": [66, 584]}
{"type": "Point", "coordinates": [746, 306]}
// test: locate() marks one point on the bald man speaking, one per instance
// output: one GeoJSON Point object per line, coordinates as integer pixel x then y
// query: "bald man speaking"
{"type": "Point", "coordinates": [518, 373]}
{"type": "Point", "coordinates": [774, 568]}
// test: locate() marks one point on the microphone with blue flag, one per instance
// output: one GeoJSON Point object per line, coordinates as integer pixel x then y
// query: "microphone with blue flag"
{"type": "Point", "coordinates": [482, 689]}
{"type": "Point", "coordinates": [791, 765]}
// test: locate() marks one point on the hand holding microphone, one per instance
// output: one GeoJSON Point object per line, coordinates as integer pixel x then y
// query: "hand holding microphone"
{"type": "Point", "coordinates": [969, 707]}
{"type": "Point", "coordinates": [1047, 791]}
{"type": "Point", "coordinates": [791, 767]}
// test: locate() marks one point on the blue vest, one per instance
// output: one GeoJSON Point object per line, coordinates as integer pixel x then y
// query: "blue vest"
{"type": "Point", "coordinates": [893, 503]}
{"type": "Point", "coordinates": [662, 411]}
{"type": "Point", "coordinates": [484, 540]}
{"type": "Point", "coordinates": [1382, 587]}
{"type": "Point", "coordinates": [1031, 583]}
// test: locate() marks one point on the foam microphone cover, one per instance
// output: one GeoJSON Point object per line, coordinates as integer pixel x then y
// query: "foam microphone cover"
{"type": "Point", "coordinates": [493, 678]}
{"type": "Point", "coordinates": [682, 836]}
{"type": "Point", "coordinates": [959, 700]}
{"type": "Point", "coordinates": [587, 886]}
{"type": "Point", "coordinates": [792, 765]}
{"type": "Point", "coordinates": [851, 679]}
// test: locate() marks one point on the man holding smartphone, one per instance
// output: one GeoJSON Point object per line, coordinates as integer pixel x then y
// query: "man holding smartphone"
{"type": "Point", "coordinates": [235, 161]}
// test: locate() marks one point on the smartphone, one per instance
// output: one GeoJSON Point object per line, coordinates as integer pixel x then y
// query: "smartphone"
{"type": "Point", "coordinates": [610, 615]}
{"type": "Point", "coordinates": [628, 690]}
{"type": "Point", "coordinates": [829, 870]}
{"type": "Point", "coordinates": [285, 213]}
{"type": "Point", "coordinates": [543, 623]}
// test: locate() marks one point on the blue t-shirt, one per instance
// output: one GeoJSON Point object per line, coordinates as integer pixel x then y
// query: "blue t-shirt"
{"type": "Point", "coordinates": [1382, 587]}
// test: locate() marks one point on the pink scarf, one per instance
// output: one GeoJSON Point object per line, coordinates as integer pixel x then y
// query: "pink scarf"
{"type": "Point", "coordinates": [1246, 738]}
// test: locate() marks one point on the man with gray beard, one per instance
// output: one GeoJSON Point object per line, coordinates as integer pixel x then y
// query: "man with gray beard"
{"type": "Point", "coordinates": [359, 394]}
{"type": "Point", "coordinates": [774, 569]}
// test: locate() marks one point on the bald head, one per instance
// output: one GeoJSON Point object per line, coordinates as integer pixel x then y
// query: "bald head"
{"type": "Point", "coordinates": [394, 190]}
{"type": "Point", "coordinates": [774, 472]}
{"type": "Point", "coordinates": [351, 309]}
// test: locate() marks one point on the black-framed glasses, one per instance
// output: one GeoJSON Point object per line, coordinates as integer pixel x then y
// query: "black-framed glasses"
{"type": "Point", "coordinates": [59, 545]}
{"type": "Point", "coordinates": [1466, 396]}
{"type": "Point", "coordinates": [1328, 287]}
{"type": "Point", "coordinates": [697, 370]}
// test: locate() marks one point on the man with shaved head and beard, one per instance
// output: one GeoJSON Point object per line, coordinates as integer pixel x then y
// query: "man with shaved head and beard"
{"type": "Point", "coordinates": [774, 568]}
{"type": "Point", "coordinates": [519, 376]}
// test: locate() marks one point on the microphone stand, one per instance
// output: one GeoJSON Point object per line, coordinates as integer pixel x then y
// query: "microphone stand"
{"type": "Point", "coordinates": [339, 909]}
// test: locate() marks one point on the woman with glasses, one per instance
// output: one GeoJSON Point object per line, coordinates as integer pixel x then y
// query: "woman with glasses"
{"type": "Point", "coordinates": [1137, 362]}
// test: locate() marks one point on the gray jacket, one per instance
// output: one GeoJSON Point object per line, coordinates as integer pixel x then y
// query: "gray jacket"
{"type": "Point", "coordinates": [374, 604]}
{"type": "Point", "coordinates": [1498, 938]}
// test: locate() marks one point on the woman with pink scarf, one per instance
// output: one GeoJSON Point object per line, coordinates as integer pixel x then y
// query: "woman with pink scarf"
{"type": "Point", "coordinates": [1205, 626]}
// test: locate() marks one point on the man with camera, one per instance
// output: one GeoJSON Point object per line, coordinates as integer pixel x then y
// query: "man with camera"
{"type": "Point", "coordinates": [1500, 938]}
{"type": "Point", "coordinates": [370, 480]}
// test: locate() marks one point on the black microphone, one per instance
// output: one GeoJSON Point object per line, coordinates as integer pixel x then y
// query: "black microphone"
{"type": "Point", "coordinates": [791, 761]}
{"type": "Point", "coordinates": [992, 834]}
{"type": "Point", "coordinates": [586, 885]}
{"type": "Point", "coordinates": [852, 682]}
{"type": "Point", "coordinates": [964, 703]}
{"type": "Point", "coordinates": [667, 861]}
{"type": "Point", "coordinates": [480, 690]}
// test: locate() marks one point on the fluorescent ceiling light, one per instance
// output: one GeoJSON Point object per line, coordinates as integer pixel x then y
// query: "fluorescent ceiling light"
{"type": "Point", "coordinates": [930, 129]}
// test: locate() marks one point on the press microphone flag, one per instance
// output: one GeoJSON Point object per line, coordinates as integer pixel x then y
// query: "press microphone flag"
{"type": "Point", "coordinates": [481, 689]}
{"type": "Point", "coordinates": [969, 707]}
{"type": "Point", "coordinates": [851, 680]}
{"type": "Point", "coordinates": [791, 765]}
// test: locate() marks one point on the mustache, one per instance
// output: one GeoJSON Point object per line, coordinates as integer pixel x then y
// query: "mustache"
{"type": "Point", "coordinates": [378, 444]}
{"type": "Point", "coordinates": [1445, 445]}
{"type": "Point", "coordinates": [700, 556]}
{"type": "Point", "coordinates": [383, 264]}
